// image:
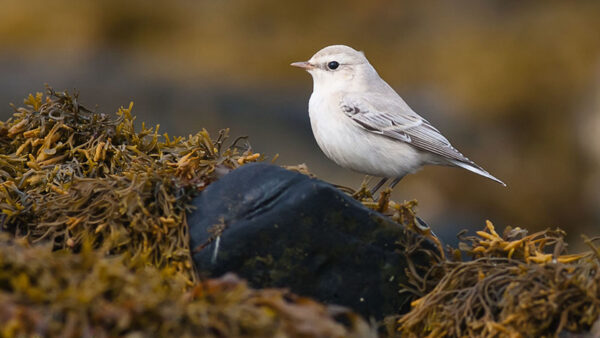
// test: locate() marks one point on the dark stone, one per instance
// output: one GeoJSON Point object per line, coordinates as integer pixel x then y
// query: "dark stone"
{"type": "Point", "coordinates": [279, 228]}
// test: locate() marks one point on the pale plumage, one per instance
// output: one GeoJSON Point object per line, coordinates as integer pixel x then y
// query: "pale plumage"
{"type": "Point", "coordinates": [362, 124]}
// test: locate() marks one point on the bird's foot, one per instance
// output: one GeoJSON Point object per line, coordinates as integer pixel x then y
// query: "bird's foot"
{"type": "Point", "coordinates": [383, 200]}
{"type": "Point", "coordinates": [377, 186]}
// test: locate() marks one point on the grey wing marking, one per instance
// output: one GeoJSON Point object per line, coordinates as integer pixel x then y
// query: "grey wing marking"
{"type": "Point", "coordinates": [377, 121]}
{"type": "Point", "coordinates": [394, 119]}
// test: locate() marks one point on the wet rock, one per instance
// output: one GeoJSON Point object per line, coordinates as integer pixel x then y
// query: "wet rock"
{"type": "Point", "coordinates": [278, 228]}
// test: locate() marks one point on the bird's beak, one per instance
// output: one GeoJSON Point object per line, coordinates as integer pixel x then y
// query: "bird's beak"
{"type": "Point", "coordinates": [304, 65]}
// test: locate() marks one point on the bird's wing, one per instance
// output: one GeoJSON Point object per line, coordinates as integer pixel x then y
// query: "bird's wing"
{"type": "Point", "coordinates": [392, 117]}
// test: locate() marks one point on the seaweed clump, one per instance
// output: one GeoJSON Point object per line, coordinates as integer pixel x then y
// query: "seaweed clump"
{"type": "Point", "coordinates": [62, 294]}
{"type": "Point", "coordinates": [69, 174]}
{"type": "Point", "coordinates": [517, 284]}
{"type": "Point", "coordinates": [94, 240]}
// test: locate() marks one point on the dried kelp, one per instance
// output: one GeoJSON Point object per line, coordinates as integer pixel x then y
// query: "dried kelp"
{"type": "Point", "coordinates": [515, 285]}
{"type": "Point", "coordinates": [46, 293]}
{"type": "Point", "coordinates": [68, 173]}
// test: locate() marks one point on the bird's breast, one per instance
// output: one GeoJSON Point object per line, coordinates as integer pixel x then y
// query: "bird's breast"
{"type": "Point", "coordinates": [350, 146]}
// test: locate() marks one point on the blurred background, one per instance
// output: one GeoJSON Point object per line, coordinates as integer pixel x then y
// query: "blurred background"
{"type": "Point", "coordinates": [515, 85]}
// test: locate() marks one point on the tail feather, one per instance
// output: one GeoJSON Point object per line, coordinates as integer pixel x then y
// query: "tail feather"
{"type": "Point", "coordinates": [476, 169]}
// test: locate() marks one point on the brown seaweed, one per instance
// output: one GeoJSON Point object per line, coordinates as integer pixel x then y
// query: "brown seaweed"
{"type": "Point", "coordinates": [45, 293]}
{"type": "Point", "coordinates": [68, 173]}
{"type": "Point", "coordinates": [94, 236]}
{"type": "Point", "coordinates": [517, 285]}
{"type": "Point", "coordinates": [98, 246]}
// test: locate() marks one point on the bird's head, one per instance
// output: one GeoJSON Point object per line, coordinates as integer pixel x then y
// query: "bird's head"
{"type": "Point", "coordinates": [338, 67]}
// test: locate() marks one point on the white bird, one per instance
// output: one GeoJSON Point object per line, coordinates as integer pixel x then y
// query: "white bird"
{"type": "Point", "coordinates": [362, 124]}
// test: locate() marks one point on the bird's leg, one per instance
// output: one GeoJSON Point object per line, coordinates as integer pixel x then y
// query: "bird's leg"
{"type": "Point", "coordinates": [378, 185]}
{"type": "Point", "coordinates": [395, 181]}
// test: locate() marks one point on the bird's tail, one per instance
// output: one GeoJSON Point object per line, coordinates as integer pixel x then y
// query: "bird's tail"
{"type": "Point", "coordinates": [476, 169]}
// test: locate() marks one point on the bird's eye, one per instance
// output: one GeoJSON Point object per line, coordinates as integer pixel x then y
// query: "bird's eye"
{"type": "Point", "coordinates": [333, 65]}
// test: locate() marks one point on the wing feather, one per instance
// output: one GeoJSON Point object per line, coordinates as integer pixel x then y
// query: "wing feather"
{"type": "Point", "coordinates": [393, 118]}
